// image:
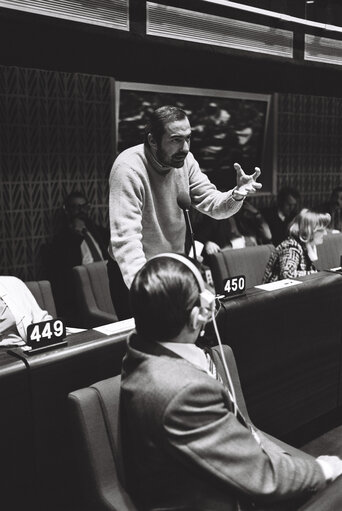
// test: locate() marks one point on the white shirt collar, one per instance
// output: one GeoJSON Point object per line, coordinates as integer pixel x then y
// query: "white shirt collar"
{"type": "Point", "coordinates": [189, 352]}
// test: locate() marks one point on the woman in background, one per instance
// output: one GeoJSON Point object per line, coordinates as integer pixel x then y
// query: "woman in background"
{"type": "Point", "coordinates": [295, 256]}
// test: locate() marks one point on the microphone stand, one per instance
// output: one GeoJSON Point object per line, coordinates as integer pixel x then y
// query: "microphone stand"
{"type": "Point", "coordinates": [191, 232]}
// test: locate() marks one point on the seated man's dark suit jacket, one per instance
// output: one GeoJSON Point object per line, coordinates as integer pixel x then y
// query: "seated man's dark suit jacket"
{"type": "Point", "coordinates": [62, 255]}
{"type": "Point", "coordinates": [184, 449]}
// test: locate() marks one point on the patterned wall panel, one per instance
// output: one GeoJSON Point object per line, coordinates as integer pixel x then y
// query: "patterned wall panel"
{"type": "Point", "coordinates": [56, 135]}
{"type": "Point", "coordinates": [309, 145]}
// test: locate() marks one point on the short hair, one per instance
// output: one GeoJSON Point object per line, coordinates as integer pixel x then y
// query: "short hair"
{"type": "Point", "coordinates": [74, 195]}
{"type": "Point", "coordinates": [159, 118]}
{"type": "Point", "coordinates": [162, 295]}
{"type": "Point", "coordinates": [306, 223]}
{"type": "Point", "coordinates": [286, 192]}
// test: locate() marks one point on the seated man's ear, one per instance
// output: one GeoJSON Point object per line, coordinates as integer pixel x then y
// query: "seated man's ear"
{"type": "Point", "coordinates": [198, 317]}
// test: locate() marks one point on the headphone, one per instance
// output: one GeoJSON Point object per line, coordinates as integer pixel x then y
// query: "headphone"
{"type": "Point", "coordinates": [206, 310]}
{"type": "Point", "coordinates": [200, 314]}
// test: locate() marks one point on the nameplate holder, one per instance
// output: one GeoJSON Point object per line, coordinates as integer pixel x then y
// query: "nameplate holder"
{"type": "Point", "coordinates": [234, 286]}
{"type": "Point", "coordinates": [45, 335]}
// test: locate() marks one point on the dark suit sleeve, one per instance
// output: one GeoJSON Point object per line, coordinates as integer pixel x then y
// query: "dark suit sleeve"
{"type": "Point", "coordinates": [201, 429]}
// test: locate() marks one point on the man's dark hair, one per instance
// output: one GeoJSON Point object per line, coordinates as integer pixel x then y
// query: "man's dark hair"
{"type": "Point", "coordinates": [74, 195]}
{"type": "Point", "coordinates": [286, 192]}
{"type": "Point", "coordinates": [159, 118]}
{"type": "Point", "coordinates": [162, 295]}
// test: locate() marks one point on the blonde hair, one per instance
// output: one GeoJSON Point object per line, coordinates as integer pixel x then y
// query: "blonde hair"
{"type": "Point", "coordinates": [306, 223]}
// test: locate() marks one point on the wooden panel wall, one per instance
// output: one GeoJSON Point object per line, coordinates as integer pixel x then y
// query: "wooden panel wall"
{"type": "Point", "coordinates": [309, 152]}
{"type": "Point", "coordinates": [56, 135]}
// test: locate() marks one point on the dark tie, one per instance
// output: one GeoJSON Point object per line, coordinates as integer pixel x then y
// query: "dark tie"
{"type": "Point", "coordinates": [92, 247]}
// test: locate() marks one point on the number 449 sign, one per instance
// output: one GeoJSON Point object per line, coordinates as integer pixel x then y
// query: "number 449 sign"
{"type": "Point", "coordinates": [234, 286]}
{"type": "Point", "coordinates": [45, 334]}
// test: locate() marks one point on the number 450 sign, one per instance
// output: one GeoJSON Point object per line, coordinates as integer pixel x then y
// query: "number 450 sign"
{"type": "Point", "coordinates": [234, 285]}
{"type": "Point", "coordinates": [46, 333]}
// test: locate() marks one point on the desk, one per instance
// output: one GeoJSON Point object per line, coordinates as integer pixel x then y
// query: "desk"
{"type": "Point", "coordinates": [88, 357]}
{"type": "Point", "coordinates": [16, 430]}
{"type": "Point", "coordinates": [287, 344]}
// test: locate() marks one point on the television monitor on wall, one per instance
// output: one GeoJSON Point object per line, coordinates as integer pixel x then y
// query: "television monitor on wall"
{"type": "Point", "coordinates": [227, 127]}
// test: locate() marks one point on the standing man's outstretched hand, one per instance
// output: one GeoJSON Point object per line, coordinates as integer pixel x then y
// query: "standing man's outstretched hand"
{"type": "Point", "coordinates": [245, 184]}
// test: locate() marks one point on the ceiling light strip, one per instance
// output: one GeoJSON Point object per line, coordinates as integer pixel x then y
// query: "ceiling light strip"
{"type": "Point", "coordinates": [107, 13]}
{"type": "Point", "coordinates": [323, 49]}
{"type": "Point", "coordinates": [182, 24]}
{"type": "Point", "coordinates": [273, 14]}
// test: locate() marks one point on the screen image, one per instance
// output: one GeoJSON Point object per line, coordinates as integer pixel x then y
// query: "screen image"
{"type": "Point", "coordinates": [227, 127]}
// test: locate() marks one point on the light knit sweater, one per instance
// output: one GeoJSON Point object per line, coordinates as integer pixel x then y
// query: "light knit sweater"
{"type": "Point", "coordinates": [145, 219]}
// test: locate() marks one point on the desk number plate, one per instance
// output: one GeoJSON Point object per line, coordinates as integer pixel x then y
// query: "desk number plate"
{"type": "Point", "coordinates": [234, 286]}
{"type": "Point", "coordinates": [46, 333]}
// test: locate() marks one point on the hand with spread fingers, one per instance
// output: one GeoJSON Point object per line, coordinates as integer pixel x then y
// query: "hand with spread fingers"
{"type": "Point", "coordinates": [245, 184]}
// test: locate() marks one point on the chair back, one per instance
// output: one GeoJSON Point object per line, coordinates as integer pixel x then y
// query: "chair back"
{"type": "Point", "coordinates": [95, 419]}
{"type": "Point", "coordinates": [95, 416]}
{"type": "Point", "coordinates": [248, 261]}
{"type": "Point", "coordinates": [93, 294]}
{"type": "Point", "coordinates": [41, 290]}
{"type": "Point", "coordinates": [330, 252]}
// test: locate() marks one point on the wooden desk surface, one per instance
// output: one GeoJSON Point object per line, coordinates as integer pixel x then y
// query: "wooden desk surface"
{"type": "Point", "coordinates": [287, 344]}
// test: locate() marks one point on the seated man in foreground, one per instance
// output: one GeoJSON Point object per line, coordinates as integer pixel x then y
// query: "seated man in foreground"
{"type": "Point", "coordinates": [186, 445]}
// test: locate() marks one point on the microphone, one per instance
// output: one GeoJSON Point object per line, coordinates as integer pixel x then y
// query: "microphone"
{"type": "Point", "coordinates": [184, 202]}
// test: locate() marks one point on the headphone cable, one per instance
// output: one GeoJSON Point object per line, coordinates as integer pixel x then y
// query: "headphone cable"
{"type": "Point", "coordinates": [225, 367]}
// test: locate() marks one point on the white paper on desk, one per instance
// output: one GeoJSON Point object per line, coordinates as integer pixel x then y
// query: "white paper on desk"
{"type": "Point", "coordinates": [73, 330]}
{"type": "Point", "coordinates": [198, 247]}
{"type": "Point", "coordinates": [117, 327]}
{"type": "Point", "coordinates": [279, 284]}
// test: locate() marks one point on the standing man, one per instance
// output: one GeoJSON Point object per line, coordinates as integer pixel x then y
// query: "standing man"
{"type": "Point", "coordinates": [145, 182]}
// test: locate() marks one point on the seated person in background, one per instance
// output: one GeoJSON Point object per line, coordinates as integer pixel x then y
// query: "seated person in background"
{"type": "Point", "coordinates": [18, 310]}
{"type": "Point", "coordinates": [185, 444]}
{"type": "Point", "coordinates": [279, 216]}
{"type": "Point", "coordinates": [246, 228]}
{"type": "Point", "coordinates": [334, 208]}
{"type": "Point", "coordinates": [294, 257]}
{"type": "Point", "coordinates": [252, 224]}
{"type": "Point", "coordinates": [78, 240]}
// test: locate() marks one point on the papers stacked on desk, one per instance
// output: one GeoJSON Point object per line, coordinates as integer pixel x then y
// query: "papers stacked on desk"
{"type": "Point", "coordinates": [279, 284]}
{"type": "Point", "coordinates": [116, 328]}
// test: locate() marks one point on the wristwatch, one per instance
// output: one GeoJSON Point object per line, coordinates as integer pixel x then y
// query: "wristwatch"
{"type": "Point", "coordinates": [237, 197]}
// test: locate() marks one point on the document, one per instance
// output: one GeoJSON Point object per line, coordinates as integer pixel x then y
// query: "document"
{"type": "Point", "coordinates": [117, 327]}
{"type": "Point", "coordinates": [279, 284]}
